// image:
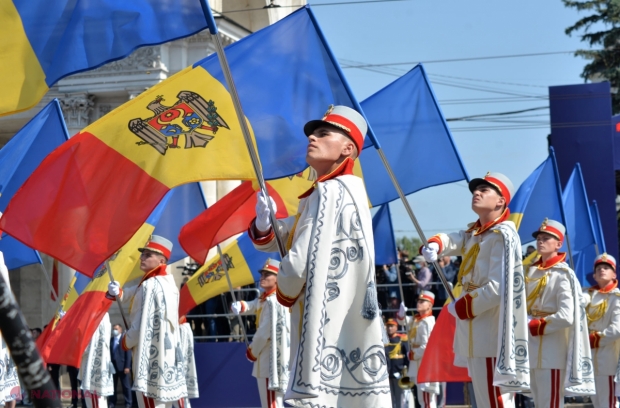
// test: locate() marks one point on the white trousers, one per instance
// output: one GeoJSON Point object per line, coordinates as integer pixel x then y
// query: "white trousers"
{"type": "Point", "coordinates": [407, 400]}
{"type": "Point", "coordinates": [95, 401]}
{"type": "Point", "coordinates": [146, 402]}
{"type": "Point", "coordinates": [426, 399]}
{"type": "Point", "coordinates": [605, 392]}
{"type": "Point", "coordinates": [487, 395]}
{"type": "Point", "coordinates": [548, 387]}
{"type": "Point", "coordinates": [268, 398]}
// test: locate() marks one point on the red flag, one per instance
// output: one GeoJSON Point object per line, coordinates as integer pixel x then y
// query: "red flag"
{"type": "Point", "coordinates": [66, 343]}
{"type": "Point", "coordinates": [438, 360]}
{"type": "Point", "coordinates": [54, 292]}
{"type": "Point", "coordinates": [227, 217]}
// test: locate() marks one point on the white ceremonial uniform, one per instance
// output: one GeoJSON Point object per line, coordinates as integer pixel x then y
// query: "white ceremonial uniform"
{"type": "Point", "coordinates": [603, 312]}
{"type": "Point", "coordinates": [153, 337]}
{"type": "Point", "coordinates": [420, 329]}
{"type": "Point", "coordinates": [9, 381]}
{"type": "Point", "coordinates": [494, 340]}
{"type": "Point", "coordinates": [559, 353]}
{"type": "Point", "coordinates": [337, 353]}
{"type": "Point", "coordinates": [96, 369]}
{"type": "Point", "coordinates": [272, 321]}
{"type": "Point", "coordinates": [189, 362]}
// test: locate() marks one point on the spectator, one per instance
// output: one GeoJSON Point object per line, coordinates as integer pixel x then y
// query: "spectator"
{"type": "Point", "coordinates": [391, 277]}
{"type": "Point", "coordinates": [121, 360]}
{"type": "Point", "coordinates": [382, 291]}
{"type": "Point", "coordinates": [36, 332]}
{"type": "Point", "coordinates": [424, 274]}
{"type": "Point", "coordinates": [529, 250]}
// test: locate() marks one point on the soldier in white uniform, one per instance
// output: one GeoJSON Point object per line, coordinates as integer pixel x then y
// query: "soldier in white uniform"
{"type": "Point", "coordinates": [269, 349]}
{"type": "Point", "coordinates": [491, 322]}
{"type": "Point", "coordinates": [96, 368]}
{"type": "Point", "coordinates": [327, 277]}
{"type": "Point", "coordinates": [154, 335]}
{"type": "Point", "coordinates": [420, 328]}
{"type": "Point", "coordinates": [554, 316]}
{"type": "Point", "coordinates": [603, 313]}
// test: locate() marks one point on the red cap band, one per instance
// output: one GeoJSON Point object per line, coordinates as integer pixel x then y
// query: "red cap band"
{"type": "Point", "coordinates": [553, 231]}
{"type": "Point", "coordinates": [502, 188]}
{"type": "Point", "coordinates": [349, 127]}
{"type": "Point", "coordinates": [158, 248]}
{"type": "Point", "coordinates": [430, 299]}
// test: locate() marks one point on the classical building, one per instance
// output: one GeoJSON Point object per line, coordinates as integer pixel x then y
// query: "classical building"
{"type": "Point", "coordinates": [90, 95]}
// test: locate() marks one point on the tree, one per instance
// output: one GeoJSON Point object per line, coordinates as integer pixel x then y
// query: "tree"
{"type": "Point", "coordinates": [602, 27]}
{"type": "Point", "coordinates": [411, 245]}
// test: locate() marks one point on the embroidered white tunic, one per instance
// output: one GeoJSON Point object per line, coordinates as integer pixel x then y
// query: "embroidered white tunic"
{"type": "Point", "coordinates": [272, 357]}
{"type": "Point", "coordinates": [337, 356]}
{"type": "Point", "coordinates": [420, 329]}
{"type": "Point", "coordinates": [607, 323]}
{"type": "Point", "coordinates": [564, 344]}
{"type": "Point", "coordinates": [189, 362]}
{"type": "Point", "coordinates": [497, 292]}
{"type": "Point", "coordinates": [96, 369]}
{"type": "Point", "coordinates": [154, 338]}
{"type": "Point", "coordinates": [9, 382]}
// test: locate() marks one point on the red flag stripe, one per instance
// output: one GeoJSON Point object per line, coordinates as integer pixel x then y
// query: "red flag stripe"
{"type": "Point", "coordinates": [90, 211]}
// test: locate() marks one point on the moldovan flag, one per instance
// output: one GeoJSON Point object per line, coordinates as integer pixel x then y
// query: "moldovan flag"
{"type": "Point", "coordinates": [68, 340]}
{"type": "Point", "coordinates": [44, 41]}
{"type": "Point", "coordinates": [18, 159]}
{"type": "Point", "coordinates": [103, 183]}
{"type": "Point", "coordinates": [243, 262]}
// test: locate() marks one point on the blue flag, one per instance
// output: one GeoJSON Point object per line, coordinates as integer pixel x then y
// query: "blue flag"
{"type": "Point", "coordinates": [285, 77]}
{"type": "Point", "coordinates": [536, 199]}
{"type": "Point", "coordinates": [18, 159]}
{"type": "Point", "coordinates": [579, 225]}
{"type": "Point", "coordinates": [598, 227]}
{"type": "Point", "coordinates": [414, 136]}
{"type": "Point", "coordinates": [385, 243]}
{"type": "Point", "coordinates": [183, 204]}
{"type": "Point", "coordinates": [47, 40]}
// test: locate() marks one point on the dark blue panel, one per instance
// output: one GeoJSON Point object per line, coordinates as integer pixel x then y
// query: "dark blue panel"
{"type": "Point", "coordinates": [224, 376]}
{"type": "Point", "coordinates": [581, 132]}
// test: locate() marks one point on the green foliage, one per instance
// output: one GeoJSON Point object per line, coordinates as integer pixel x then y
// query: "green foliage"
{"type": "Point", "coordinates": [409, 244]}
{"type": "Point", "coordinates": [600, 28]}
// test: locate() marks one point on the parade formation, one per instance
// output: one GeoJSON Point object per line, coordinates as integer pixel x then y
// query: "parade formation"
{"type": "Point", "coordinates": [332, 313]}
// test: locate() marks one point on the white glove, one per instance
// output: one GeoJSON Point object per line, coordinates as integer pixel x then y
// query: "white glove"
{"type": "Point", "coordinates": [263, 223]}
{"type": "Point", "coordinates": [114, 289]}
{"type": "Point", "coordinates": [402, 311]}
{"type": "Point", "coordinates": [429, 252]}
{"type": "Point", "coordinates": [61, 314]}
{"type": "Point", "coordinates": [235, 308]}
{"type": "Point", "coordinates": [396, 375]}
{"type": "Point", "coordinates": [452, 309]}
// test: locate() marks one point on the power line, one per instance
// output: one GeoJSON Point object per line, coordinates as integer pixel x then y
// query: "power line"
{"type": "Point", "coordinates": [340, 3]}
{"type": "Point", "coordinates": [486, 115]}
{"type": "Point", "coordinates": [536, 54]}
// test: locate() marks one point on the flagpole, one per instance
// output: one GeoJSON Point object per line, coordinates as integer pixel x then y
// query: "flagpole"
{"type": "Point", "coordinates": [118, 300]}
{"type": "Point", "coordinates": [49, 281]}
{"type": "Point", "coordinates": [377, 146]}
{"type": "Point", "coordinates": [232, 293]}
{"type": "Point", "coordinates": [558, 190]}
{"type": "Point", "coordinates": [242, 122]}
{"type": "Point", "coordinates": [24, 351]}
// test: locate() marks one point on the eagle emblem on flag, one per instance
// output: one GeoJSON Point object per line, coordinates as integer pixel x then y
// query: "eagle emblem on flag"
{"type": "Point", "coordinates": [191, 117]}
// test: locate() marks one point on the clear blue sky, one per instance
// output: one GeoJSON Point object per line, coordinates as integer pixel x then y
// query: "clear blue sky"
{"type": "Point", "coordinates": [417, 30]}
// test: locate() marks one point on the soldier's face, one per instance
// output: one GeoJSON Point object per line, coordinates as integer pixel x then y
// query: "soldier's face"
{"type": "Point", "coordinates": [150, 260]}
{"type": "Point", "coordinates": [326, 145]}
{"type": "Point", "coordinates": [391, 329]}
{"type": "Point", "coordinates": [547, 244]}
{"type": "Point", "coordinates": [423, 306]}
{"type": "Point", "coordinates": [604, 274]}
{"type": "Point", "coordinates": [486, 198]}
{"type": "Point", "coordinates": [268, 280]}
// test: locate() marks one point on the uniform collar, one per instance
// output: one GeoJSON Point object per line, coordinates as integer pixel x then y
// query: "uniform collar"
{"type": "Point", "coordinates": [419, 317]}
{"type": "Point", "coordinates": [478, 228]}
{"type": "Point", "coordinates": [560, 257]}
{"type": "Point", "coordinates": [159, 271]}
{"type": "Point", "coordinates": [344, 168]}
{"type": "Point", "coordinates": [265, 295]}
{"type": "Point", "coordinates": [611, 286]}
